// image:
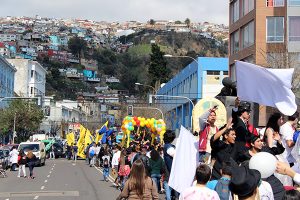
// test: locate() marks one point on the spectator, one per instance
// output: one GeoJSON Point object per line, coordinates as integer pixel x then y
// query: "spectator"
{"type": "Point", "coordinates": [139, 185]}
{"type": "Point", "coordinates": [13, 154]}
{"type": "Point", "coordinates": [156, 166]}
{"type": "Point", "coordinates": [22, 161]}
{"type": "Point", "coordinates": [274, 123]}
{"type": "Point", "coordinates": [200, 191]}
{"type": "Point", "coordinates": [52, 154]}
{"type": "Point", "coordinates": [31, 160]}
{"type": "Point", "coordinates": [292, 195]}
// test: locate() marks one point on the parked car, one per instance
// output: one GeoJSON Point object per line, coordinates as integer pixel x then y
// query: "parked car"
{"type": "Point", "coordinates": [10, 146]}
{"type": "Point", "coordinates": [37, 148]}
{"type": "Point", "coordinates": [4, 157]}
{"type": "Point", "coordinates": [58, 150]}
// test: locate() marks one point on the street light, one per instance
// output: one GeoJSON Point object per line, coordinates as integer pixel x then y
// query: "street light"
{"type": "Point", "coordinates": [147, 86]}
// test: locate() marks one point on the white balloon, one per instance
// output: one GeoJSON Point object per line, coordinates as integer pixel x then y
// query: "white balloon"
{"type": "Point", "coordinates": [264, 162]}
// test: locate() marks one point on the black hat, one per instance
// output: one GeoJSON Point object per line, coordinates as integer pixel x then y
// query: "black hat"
{"type": "Point", "coordinates": [244, 181]}
{"type": "Point", "coordinates": [244, 106]}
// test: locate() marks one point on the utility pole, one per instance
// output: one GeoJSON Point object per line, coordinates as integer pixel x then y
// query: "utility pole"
{"type": "Point", "coordinates": [14, 130]}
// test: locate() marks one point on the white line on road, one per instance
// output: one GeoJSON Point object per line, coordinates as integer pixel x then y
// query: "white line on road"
{"type": "Point", "coordinates": [43, 187]}
{"type": "Point", "coordinates": [36, 197]}
{"type": "Point", "coordinates": [46, 181]}
{"type": "Point", "coordinates": [50, 172]}
{"type": "Point", "coordinates": [48, 176]}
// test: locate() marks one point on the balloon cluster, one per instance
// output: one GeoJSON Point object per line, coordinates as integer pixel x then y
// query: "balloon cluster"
{"type": "Point", "coordinates": [154, 125]}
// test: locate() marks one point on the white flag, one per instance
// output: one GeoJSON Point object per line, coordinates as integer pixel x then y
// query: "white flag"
{"type": "Point", "coordinates": [185, 161]}
{"type": "Point", "coordinates": [270, 87]}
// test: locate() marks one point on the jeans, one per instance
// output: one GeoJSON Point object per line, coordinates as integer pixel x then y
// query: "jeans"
{"type": "Point", "coordinates": [105, 173]}
{"type": "Point", "coordinates": [31, 166]}
{"type": "Point", "coordinates": [52, 155]}
{"type": "Point", "coordinates": [22, 168]}
{"type": "Point", "coordinates": [156, 179]}
{"type": "Point", "coordinates": [75, 156]}
{"type": "Point", "coordinates": [167, 190]}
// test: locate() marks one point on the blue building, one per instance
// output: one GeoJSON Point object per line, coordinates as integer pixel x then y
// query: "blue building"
{"type": "Point", "coordinates": [7, 79]}
{"type": "Point", "coordinates": [201, 78]}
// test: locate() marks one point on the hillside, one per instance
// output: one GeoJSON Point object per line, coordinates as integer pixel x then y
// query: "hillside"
{"type": "Point", "coordinates": [131, 64]}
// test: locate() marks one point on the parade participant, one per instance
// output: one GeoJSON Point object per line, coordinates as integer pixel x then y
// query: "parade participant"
{"type": "Point", "coordinates": [200, 191]}
{"type": "Point", "coordinates": [244, 183]}
{"type": "Point", "coordinates": [52, 154]}
{"type": "Point", "coordinates": [75, 151]}
{"type": "Point", "coordinates": [285, 169]}
{"type": "Point", "coordinates": [106, 159]}
{"type": "Point", "coordinates": [124, 168]}
{"type": "Point", "coordinates": [272, 129]}
{"type": "Point", "coordinates": [115, 162]}
{"type": "Point", "coordinates": [287, 131]}
{"type": "Point", "coordinates": [139, 185]}
{"type": "Point", "coordinates": [241, 125]}
{"type": "Point", "coordinates": [13, 154]}
{"type": "Point", "coordinates": [22, 161]}
{"type": "Point", "coordinates": [223, 150]}
{"type": "Point", "coordinates": [31, 160]}
{"type": "Point", "coordinates": [207, 130]}
{"type": "Point", "coordinates": [156, 165]}
{"type": "Point", "coordinates": [92, 155]}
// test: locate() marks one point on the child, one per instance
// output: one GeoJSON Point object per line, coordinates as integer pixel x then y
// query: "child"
{"type": "Point", "coordinates": [105, 159]}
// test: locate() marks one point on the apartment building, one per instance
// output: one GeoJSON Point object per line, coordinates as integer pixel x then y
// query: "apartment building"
{"type": "Point", "coordinates": [264, 32]}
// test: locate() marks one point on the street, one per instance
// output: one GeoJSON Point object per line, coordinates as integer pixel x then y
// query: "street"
{"type": "Point", "coordinates": [58, 179]}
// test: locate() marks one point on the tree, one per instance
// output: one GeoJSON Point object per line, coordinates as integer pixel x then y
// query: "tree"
{"type": "Point", "coordinates": [152, 22]}
{"type": "Point", "coordinates": [159, 73]}
{"type": "Point", "coordinates": [177, 22]}
{"type": "Point", "coordinates": [187, 21]}
{"type": "Point", "coordinates": [27, 115]}
{"type": "Point", "coordinates": [77, 46]}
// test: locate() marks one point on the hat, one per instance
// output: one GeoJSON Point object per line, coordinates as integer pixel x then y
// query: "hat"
{"type": "Point", "coordinates": [244, 106]}
{"type": "Point", "coordinates": [244, 180]}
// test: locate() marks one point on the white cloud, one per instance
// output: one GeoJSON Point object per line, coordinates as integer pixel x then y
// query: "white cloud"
{"type": "Point", "coordinates": [120, 10]}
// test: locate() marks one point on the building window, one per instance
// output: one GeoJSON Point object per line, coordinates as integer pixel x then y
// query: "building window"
{"type": "Point", "coordinates": [235, 9]}
{"type": "Point", "coordinates": [248, 5]}
{"type": "Point", "coordinates": [225, 73]}
{"type": "Point", "coordinates": [275, 3]}
{"type": "Point", "coordinates": [294, 28]}
{"type": "Point", "coordinates": [294, 2]}
{"type": "Point", "coordinates": [213, 72]}
{"type": "Point", "coordinates": [275, 29]}
{"type": "Point", "coordinates": [232, 72]}
{"type": "Point", "coordinates": [248, 35]}
{"type": "Point", "coordinates": [234, 42]}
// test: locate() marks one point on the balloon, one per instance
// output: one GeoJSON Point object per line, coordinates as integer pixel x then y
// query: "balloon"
{"type": "Point", "coordinates": [126, 126]}
{"type": "Point", "coordinates": [158, 129]}
{"type": "Point", "coordinates": [142, 124]}
{"type": "Point", "coordinates": [264, 162]}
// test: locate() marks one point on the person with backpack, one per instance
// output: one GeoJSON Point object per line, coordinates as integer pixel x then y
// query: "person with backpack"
{"type": "Point", "coordinates": [207, 130]}
{"type": "Point", "coordinates": [221, 186]}
{"type": "Point", "coordinates": [92, 155]}
{"type": "Point", "coordinates": [105, 159]}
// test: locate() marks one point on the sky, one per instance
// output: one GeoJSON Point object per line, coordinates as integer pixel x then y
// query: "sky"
{"type": "Point", "coordinates": [215, 11]}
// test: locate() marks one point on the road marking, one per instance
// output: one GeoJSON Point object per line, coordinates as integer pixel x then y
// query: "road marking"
{"type": "Point", "coordinates": [36, 197]}
{"type": "Point", "coordinates": [50, 172]}
{"type": "Point", "coordinates": [43, 187]}
{"type": "Point", "coordinates": [73, 164]}
{"type": "Point", "coordinates": [46, 181]}
{"type": "Point", "coordinates": [48, 176]}
{"type": "Point", "coordinates": [39, 194]}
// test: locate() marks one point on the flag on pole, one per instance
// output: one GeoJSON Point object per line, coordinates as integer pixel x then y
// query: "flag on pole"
{"type": "Point", "coordinates": [89, 138]}
{"type": "Point", "coordinates": [182, 174]}
{"type": "Point", "coordinates": [270, 87]}
{"type": "Point", "coordinates": [99, 133]}
{"type": "Point", "coordinates": [70, 138]}
{"type": "Point", "coordinates": [80, 142]}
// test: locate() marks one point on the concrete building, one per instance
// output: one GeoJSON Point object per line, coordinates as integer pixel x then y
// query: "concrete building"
{"type": "Point", "coordinates": [30, 78]}
{"type": "Point", "coordinates": [7, 79]}
{"type": "Point", "coordinates": [266, 33]}
{"type": "Point", "coordinates": [196, 81]}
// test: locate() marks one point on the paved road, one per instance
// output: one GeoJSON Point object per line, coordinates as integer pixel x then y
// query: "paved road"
{"type": "Point", "coordinates": [58, 179]}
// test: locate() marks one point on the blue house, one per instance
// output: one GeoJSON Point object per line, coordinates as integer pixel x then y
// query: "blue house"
{"type": "Point", "coordinates": [201, 78]}
{"type": "Point", "coordinates": [7, 79]}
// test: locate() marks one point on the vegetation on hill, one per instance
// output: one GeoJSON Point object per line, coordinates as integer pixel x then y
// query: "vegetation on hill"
{"type": "Point", "coordinates": [136, 64]}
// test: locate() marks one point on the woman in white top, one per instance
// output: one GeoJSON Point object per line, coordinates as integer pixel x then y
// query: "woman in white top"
{"type": "Point", "coordinates": [13, 158]}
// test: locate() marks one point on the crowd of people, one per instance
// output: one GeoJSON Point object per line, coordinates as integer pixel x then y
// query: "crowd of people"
{"type": "Point", "coordinates": [142, 170]}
